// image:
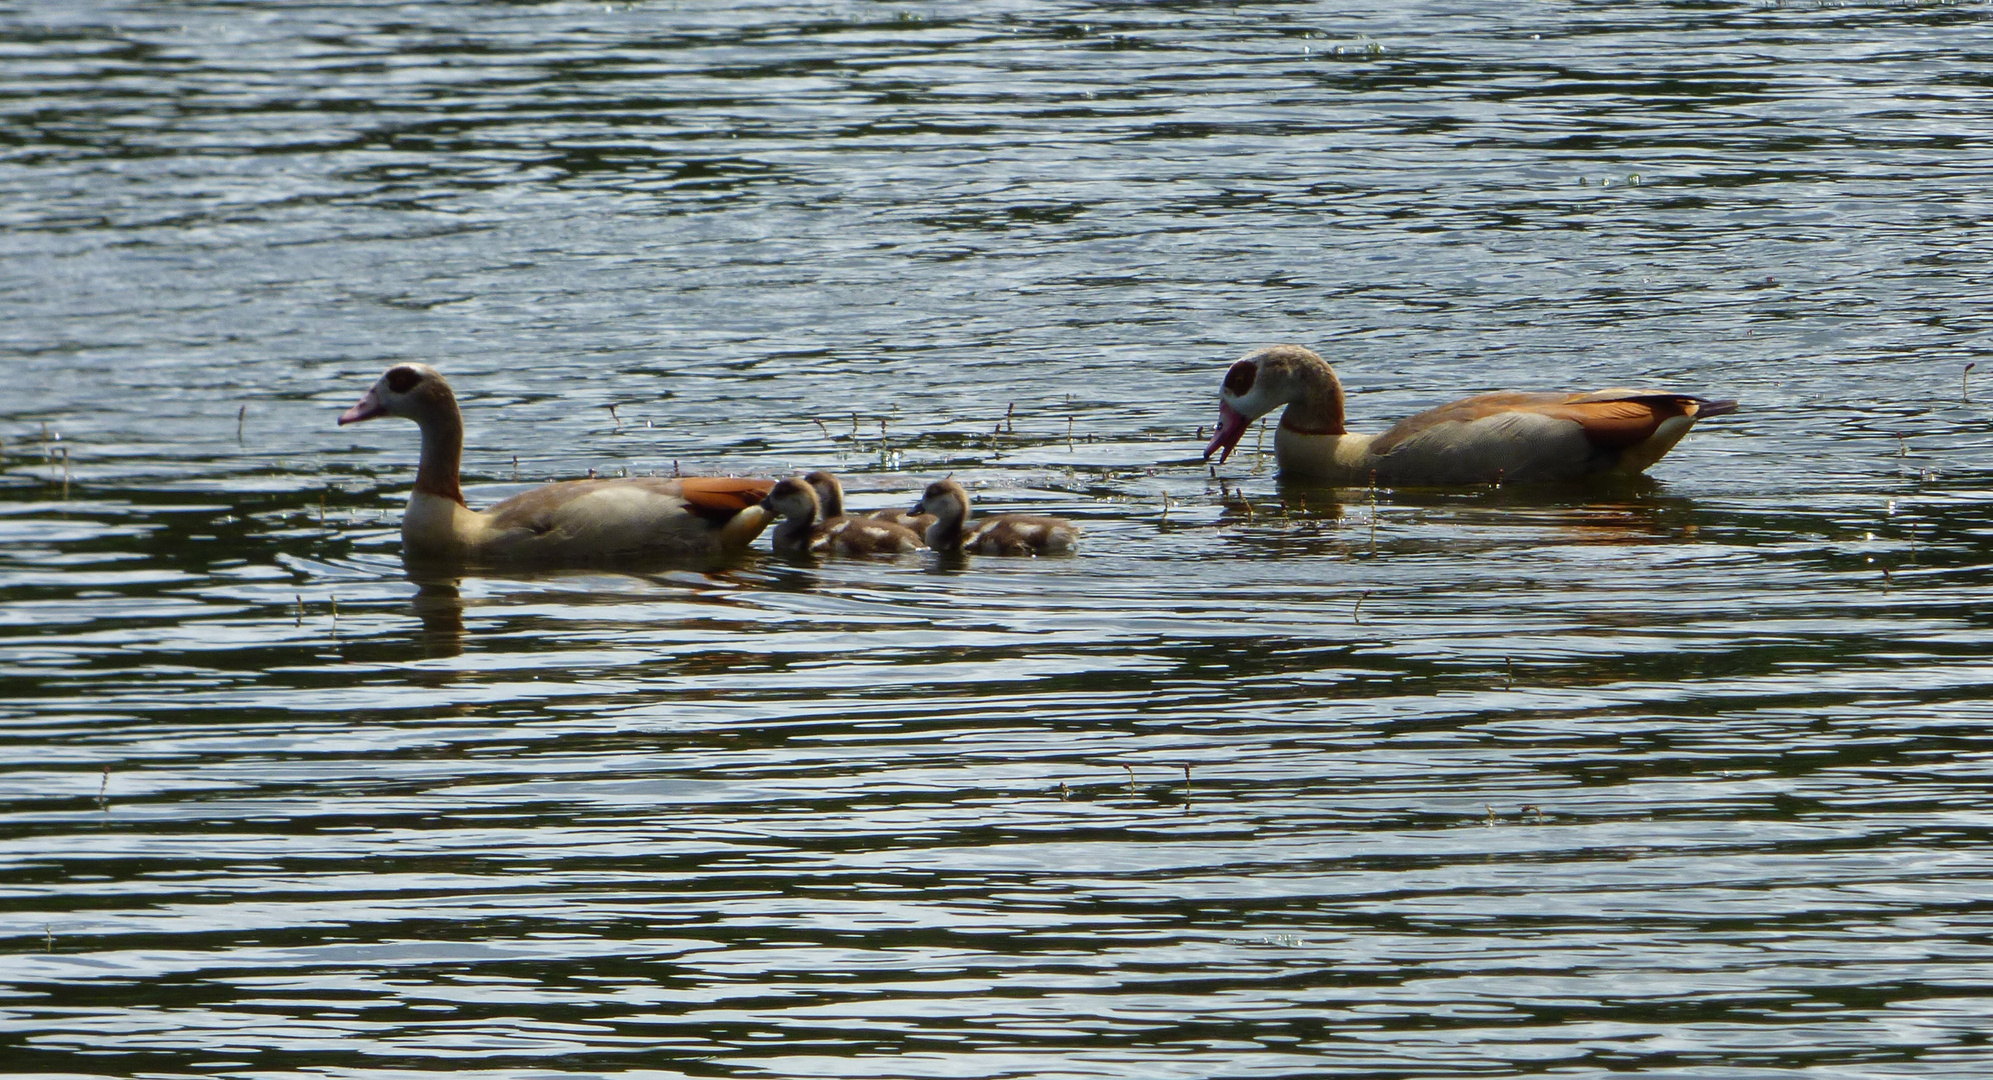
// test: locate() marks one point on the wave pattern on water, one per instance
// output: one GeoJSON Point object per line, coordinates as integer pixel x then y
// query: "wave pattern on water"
{"type": "Point", "coordinates": [1683, 777]}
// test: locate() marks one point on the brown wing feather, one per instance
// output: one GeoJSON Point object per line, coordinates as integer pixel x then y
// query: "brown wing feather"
{"type": "Point", "coordinates": [1616, 425]}
{"type": "Point", "coordinates": [719, 498]}
{"type": "Point", "coordinates": [1611, 419]}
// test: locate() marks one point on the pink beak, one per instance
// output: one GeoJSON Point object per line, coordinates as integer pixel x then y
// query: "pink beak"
{"type": "Point", "coordinates": [1232, 426]}
{"type": "Point", "coordinates": [366, 408]}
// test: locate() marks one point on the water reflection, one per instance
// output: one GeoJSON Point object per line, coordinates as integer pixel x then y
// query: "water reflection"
{"type": "Point", "coordinates": [1493, 781]}
{"type": "Point", "coordinates": [439, 604]}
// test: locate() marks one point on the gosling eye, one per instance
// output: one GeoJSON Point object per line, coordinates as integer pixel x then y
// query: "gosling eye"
{"type": "Point", "coordinates": [403, 379]}
{"type": "Point", "coordinates": [1239, 380]}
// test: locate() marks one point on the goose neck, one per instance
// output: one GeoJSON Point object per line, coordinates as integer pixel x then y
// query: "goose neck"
{"type": "Point", "coordinates": [946, 532]}
{"type": "Point", "coordinates": [439, 472]}
{"type": "Point", "coordinates": [1317, 405]}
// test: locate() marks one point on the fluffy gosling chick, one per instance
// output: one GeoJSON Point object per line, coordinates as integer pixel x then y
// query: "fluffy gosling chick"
{"type": "Point", "coordinates": [799, 532]}
{"type": "Point", "coordinates": [1009, 534]}
{"type": "Point", "coordinates": [830, 496]}
{"type": "Point", "coordinates": [830, 492]}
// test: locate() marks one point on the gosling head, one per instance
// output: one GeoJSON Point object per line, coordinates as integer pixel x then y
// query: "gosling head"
{"type": "Point", "coordinates": [830, 493]}
{"type": "Point", "coordinates": [791, 498]}
{"type": "Point", "coordinates": [945, 499]}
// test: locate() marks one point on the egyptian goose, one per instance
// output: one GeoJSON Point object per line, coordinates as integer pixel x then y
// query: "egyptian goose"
{"type": "Point", "coordinates": [1483, 439]}
{"type": "Point", "coordinates": [799, 532]}
{"type": "Point", "coordinates": [576, 521]}
{"type": "Point", "coordinates": [1010, 534]}
{"type": "Point", "coordinates": [830, 495]}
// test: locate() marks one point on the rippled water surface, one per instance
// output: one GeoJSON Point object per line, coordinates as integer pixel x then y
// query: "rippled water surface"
{"type": "Point", "coordinates": [1683, 778]}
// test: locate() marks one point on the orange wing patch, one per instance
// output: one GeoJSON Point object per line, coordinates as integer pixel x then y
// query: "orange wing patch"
{"type": "Point", "coordinates": [1616, 425]}
{"type": "Point", "coordinates": [719, 498]}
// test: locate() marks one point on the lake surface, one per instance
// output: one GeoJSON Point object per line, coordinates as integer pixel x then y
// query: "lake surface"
{"type": "Point", "coordinates": [1685, 779]}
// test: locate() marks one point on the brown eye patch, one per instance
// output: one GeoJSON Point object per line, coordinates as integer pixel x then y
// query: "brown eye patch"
{"type": "Point", "coordinates": [403, 379]}
{"type": "Point", "coordinates": [1239, 380]}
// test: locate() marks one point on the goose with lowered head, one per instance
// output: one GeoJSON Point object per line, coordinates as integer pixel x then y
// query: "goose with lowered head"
{"type": "Point", "coordinates": [575, 521]}
{"type": "Point", "coordinates": [1485, 439]}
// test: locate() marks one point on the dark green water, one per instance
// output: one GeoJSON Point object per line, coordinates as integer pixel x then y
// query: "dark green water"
{"type": "Point", "coordinates": [1685, 779]}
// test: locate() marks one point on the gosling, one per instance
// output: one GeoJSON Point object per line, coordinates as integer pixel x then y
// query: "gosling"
{"type": "Point", "coordinates": [1009, 534]}
{"type": "Point", "coordinates": [800, 533]}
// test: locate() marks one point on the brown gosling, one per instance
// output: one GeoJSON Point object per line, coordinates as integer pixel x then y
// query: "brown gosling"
{"type": "Point", "coordinates": [1009, 534]}
{"type": "Point", "coordinates": [830, 492]}
{"type": "Point", "coordinates": [800, 533]}
{"type": "Point", "coordinates": [905, 519]}
{"type": "Point", "coordinates": [830, 495]}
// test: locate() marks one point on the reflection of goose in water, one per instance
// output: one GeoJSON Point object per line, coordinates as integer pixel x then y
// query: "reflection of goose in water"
{"type": "Point", "coordinates": [1484, 439]}
{"type": "Point", "coordinates": [575, 521]}
{"type": "Point", "coordinates": [1010, 534]}
{"type": "Point", "coordinates": [454, 607]}
{"type": "Point", "coordinates": [1295, 517]}
{"type": "Point", "coordinates": [440, 606]}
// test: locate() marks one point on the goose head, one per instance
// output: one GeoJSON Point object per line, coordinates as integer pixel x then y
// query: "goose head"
{"type": "Point", "coordinates": [792, 498]}
{"type": "Point", "coordinates": [945, 499]}
{"type": "Point", "coordinates": [1264, 380]}
{"type": "Point", "coordinates": [411, 391]}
